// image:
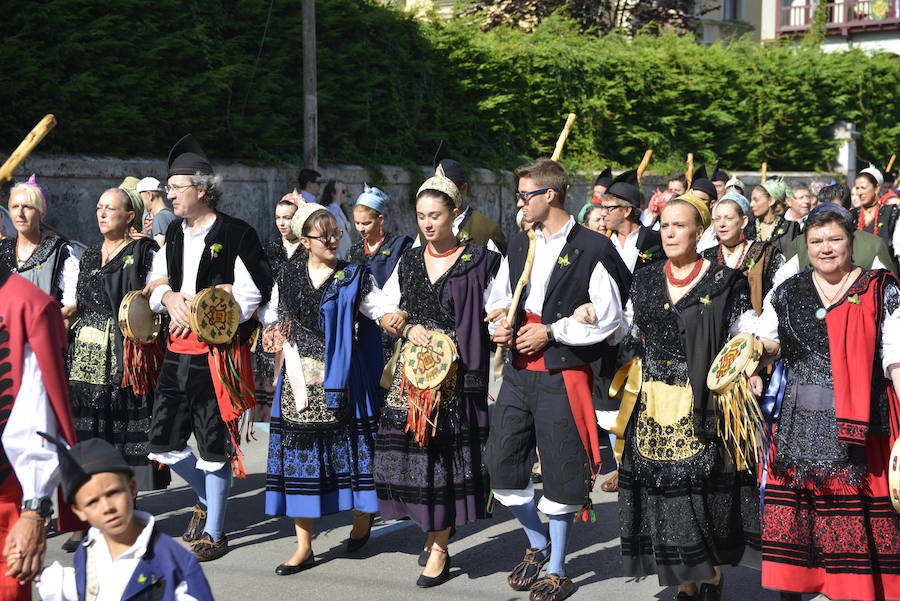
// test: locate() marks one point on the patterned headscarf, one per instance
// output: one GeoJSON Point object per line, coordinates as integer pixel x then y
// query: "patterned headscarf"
{"type": "Point", "coordinates": [739, 199]}
{"type": "Point", "coordinates": [441, 183]}
{"type": "Point", "coordinates": [137, 205]}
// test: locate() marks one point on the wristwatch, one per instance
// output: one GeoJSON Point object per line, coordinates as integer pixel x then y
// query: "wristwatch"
{"type": "Point", "coordinates": [550, 337]}
{"type": "Point", "coordinates": [43, 506]}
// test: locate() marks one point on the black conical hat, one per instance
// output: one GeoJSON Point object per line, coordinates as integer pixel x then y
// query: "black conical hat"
{"type": "Point", "coordinates": [605, 178]}
{"type": "Point", "coordinates": [624, 187]}
{"type": "Point", "coordinates": [453, 170]}
{"type": "Point", "coordinates": [702, 183]}
{"type": "Point", "coordinates": [718, 175]}
{"type": "Point", "coordinates": [187, 158]}
{"type": "Point", "coordinates": [89, 457]}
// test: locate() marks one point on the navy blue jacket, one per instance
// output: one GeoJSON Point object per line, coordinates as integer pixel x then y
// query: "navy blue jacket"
{"type": "Point", "coordinates": [164, 566]}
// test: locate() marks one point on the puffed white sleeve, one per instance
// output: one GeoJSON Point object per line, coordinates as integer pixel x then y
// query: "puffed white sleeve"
{"type": "Point", "coordinates": [790, 267]}
{"type": "Point", "coordinates": [376, 303]}
{"type": "Point", "coordinates": [268, 313]}
{"type": "Point", "coordinates": [57, 583]}
{"type": "Point", "coordinates": [391, 287]}
{"type": "Point", "coordinates": [890, 340]}
{"type": "Point", "coordinates": [498, 294]}
{"type": "Point", "coordinates": [767, 323]}
{"type": "Point", "coordinates": [244, 290]}
{"type": "Point", "coordinates": [158, 269]}
{"type": "Point", "coordinates": [33, 459]}
{"type": "Point", "coordinates": [68, 278]}
{"type": "Point", "coordinates": [607, 302]}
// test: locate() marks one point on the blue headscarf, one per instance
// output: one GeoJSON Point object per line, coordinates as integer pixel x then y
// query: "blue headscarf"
{"type": "Point", "coordinates": [832, 208]}
{"type": "Point", "coordinates": [739, 199]}
{"type": "Point", "coordinates": [373, 198]}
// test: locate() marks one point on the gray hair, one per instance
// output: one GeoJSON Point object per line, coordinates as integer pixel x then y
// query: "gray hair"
{"type": "Point", "coordinates": [211, 184]}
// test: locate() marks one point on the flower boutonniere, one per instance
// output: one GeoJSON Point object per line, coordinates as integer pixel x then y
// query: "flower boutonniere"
{"type": "Point", "coordinates": [563, 261]}
{"type": "Point", "coordinates": [646, 255]}
{"type": "Point", "coordinates": [214, 250]}
{"type": "Point", "coordinates": [95, 271]}
{"type": "Point", "coordinates": [467, 257]}
{"type": "Point", "coordinates": [463, 236]}
{"type": "Point", "coordinates": [853, 298]}
{"type": "Point", "coordinates": [128, 259]}
{"type": "Point", "coordinates": [880, 225]}
{"type": "Point", "coordinates": [39, 266]}
{"type": "Point", "coordinates": [340, 275]}
{"type": "Point", "coordinates": [750, 264]}
{"type": "Point", "coordinates": [385, 251]}
{"type": "Point", "coordinates": [705, 300]}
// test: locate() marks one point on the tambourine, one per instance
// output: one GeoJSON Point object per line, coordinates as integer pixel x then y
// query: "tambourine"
{"type": "Point", "coordinates": [215, 316]}
{"type": "Point", "coordinates": [426, 367]}
{"type": "Point", "coordinates": [740, 355]}
{"type": "Point", "coordinates": [894, 476]}
{"type": "Point", "coordinates": [136, 320]}
{"type": "Point", "coordinates": [739, 423]}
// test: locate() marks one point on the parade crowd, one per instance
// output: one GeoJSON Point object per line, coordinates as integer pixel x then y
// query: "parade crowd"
{"type": "Point", "coordinates": [372, 362]}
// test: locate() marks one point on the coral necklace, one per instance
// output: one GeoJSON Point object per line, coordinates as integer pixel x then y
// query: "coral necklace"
{"type": "Point", "coordinates": [681, 283]}
{"type": "Point", "coordinates": [740, 261]}
{"type": "Point", "coordinates": [863, 215]}
{"type": "Point", "coordinates": [438, 255]}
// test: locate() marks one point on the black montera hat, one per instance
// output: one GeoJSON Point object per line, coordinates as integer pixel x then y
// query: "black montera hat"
{"type": "Point", "coordinates": [625, 187]}
{"type": "Point", "coordinates": [89, 457]}
{"type": "Point", "coordinates": [187, 158]}
{"type": "Point", "coordinates": [605, 178]}
{"type": "Point", "coordinates": [453, 170]}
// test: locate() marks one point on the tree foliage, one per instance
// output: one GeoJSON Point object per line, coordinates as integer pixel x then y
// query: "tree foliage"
{"type": "Point", "coordinates": [131, 81]}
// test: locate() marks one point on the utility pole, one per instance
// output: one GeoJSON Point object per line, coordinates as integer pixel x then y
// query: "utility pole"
{"type": "Point", "coordinates": [310, 95]}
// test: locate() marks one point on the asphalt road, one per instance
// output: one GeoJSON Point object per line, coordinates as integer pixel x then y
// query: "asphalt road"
{"type": "Point", "coordinates": [385, 569]}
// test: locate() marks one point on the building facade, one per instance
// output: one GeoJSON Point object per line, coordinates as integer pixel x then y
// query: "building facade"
{"type": "Point", "coordinates": [870, 25]}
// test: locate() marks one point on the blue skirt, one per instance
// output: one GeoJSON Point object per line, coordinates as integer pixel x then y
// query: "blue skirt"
{"type": "Point", "coordinates": [322, 470]}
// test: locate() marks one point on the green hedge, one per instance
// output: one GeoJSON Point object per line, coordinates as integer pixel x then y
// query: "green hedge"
{"type": "Point", "coordinates": [128, 79]}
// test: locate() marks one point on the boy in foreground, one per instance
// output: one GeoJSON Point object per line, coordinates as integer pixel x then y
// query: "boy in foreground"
{"type": "Point", "coordinates": [123, 556]}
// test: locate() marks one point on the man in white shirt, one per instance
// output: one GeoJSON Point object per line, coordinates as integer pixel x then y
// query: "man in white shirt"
{"type": "Point", "coordinates": [545, 399]}
{"type": "Point", "coordinates": [34, 397]}
{"type": "Point", "coordinates": [203, 248]}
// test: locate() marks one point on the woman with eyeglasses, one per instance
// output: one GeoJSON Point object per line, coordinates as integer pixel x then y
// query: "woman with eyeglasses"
{"type": "Point", "coordinates": [437, 478]}
{"type": "Point", "coordinates": [324, 417]}
{"type": "Point", "coordinates": [44, 259]}
{"type": "Point", "coordinates": [105, 403]}
{"type": "Point", "coordinates": [333, 197]}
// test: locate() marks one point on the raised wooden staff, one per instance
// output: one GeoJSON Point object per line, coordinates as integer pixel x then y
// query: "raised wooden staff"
{"type": "Point", "coordinates": [645, 162]}
{"type": "Point", "coordinates": [762, 173]}
{"type": "Point", "coordinates": [529, 257]}
{"type": "Point", "coordinates": [26, 146]}
{"type": "Point", "coordinates": [689, 173]}
{"type": "Point", "coordinates": [891, 163]}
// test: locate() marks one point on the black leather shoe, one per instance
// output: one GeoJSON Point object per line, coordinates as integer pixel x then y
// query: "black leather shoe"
{"type": "Point", "coordinates": [423, 556]}
{"type": "Point", "coordinates": [286, 570]}
{"type": "Point", "coordinates": [786, 596]}
{"type": "Point", "coordinates": [71, 543]}
{"type": "Point", "coordinates": [710, 592]}
{"type": "Point", "coordinates": [429, 581]}
{"type": "Point", "coordinates": [355, 544]}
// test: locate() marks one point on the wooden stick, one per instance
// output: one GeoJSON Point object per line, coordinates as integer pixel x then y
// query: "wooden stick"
{"type": "Point", "coordinates": [33, 138]}
{"type": "Point", "coordinates": [890, 164]}
{"type": "Point", "coordinates": [648, 154]}
{"type": "Point", "coordinates": [689, 173]}
{"type": "Point", "coordinates": [517, 296]}
{"type": "Point", "coordinates": [561, 141]}
{"type": "Point", "coordinates": [762, 173]}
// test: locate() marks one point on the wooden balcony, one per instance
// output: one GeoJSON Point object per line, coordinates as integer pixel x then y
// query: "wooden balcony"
{"type": "Point", "coordinates": [845, 17]}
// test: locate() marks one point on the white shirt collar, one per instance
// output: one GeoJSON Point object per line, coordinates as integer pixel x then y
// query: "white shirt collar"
{"type": "Point", "coordinates": [462, 217]}
{"type": "Point", "coordinates": [202, 231]}
{"type": "Point", "coordinates": [562, 233]}
{"type": "Point", "coordinates": [135, 551]}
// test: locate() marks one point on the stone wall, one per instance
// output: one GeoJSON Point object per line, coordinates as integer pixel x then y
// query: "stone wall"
{"type": "Point", "coordinates": [74, 183]}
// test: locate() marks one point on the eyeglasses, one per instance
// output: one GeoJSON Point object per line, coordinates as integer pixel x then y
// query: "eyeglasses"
{"type": "Point", "coordinates": [178, 189]}
{"type": "Point", "coordinates": [334, 236]}
{"type": "Point", "coordinates": [605, 209]}
{"type": "Point", "coordinates": [525, 196]}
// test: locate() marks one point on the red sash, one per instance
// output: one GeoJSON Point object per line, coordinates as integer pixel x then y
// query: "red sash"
{"type": "Point", "coordinates": [579, 382]}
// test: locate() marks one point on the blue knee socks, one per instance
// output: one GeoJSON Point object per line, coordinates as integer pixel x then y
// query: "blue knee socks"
{"type": "Point", "coordinates": [531, 522]}
{"type": "Point", "coordinates": [560, 526]}
{"type": "Point", "coordinates": [612, 446]}
{"type": "Point", "coordinates": [187, 469]}
{"type": "Point", "coordinates": [218, 484]}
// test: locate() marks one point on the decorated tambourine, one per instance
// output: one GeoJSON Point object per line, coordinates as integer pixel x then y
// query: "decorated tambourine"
{"type": "Point", "coordinates": [136, 320]}
{"type": "Point", "coordinates": [425, 369]}
{"type": "Point", "coordinates": [739, 423]}
{"type": "Point", "coordinates": [894, 475]}
{"type": "Point", "coordinates": [740, 355]}
{"type": "Point", "coordinates": [215, 316]}
{"type": "Point", "coordinates": [428, 366]}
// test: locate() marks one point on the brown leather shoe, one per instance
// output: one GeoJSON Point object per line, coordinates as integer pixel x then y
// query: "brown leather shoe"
{"type": "Point", "coordinates": [552, 588]}
{"type": "Point", "coordinates": [206, 549]}
{"type": "Point", "coordinates": [529, 569]}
